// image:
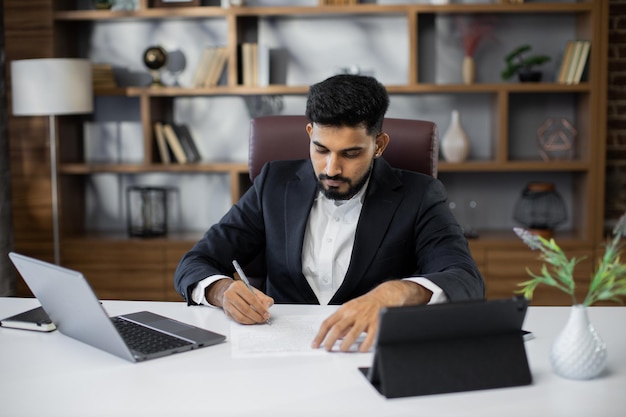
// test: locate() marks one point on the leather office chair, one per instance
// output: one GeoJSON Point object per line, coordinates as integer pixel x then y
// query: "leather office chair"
{"type": "Point", "coordinates": [413, 146]}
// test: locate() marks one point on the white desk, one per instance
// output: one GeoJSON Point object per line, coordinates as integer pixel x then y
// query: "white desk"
{"type": "Point", "coordinates": [50, 374]}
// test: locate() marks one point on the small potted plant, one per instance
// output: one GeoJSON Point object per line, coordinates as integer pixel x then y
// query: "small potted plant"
{"type": "Point", "coordinates": [578, 352]}
{"type": "Point", "coordinates": [518, 62]}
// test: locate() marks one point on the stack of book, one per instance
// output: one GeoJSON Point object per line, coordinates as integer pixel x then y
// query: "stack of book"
{"type": "Point", "coordinates": [254, 64]}
{"type": "Point", "coordinates": [175, 143]}
{"type": "Point", "coordinates": [338, 2]}
{"type": "Point", "coordinates": [574, 62]}
{"type": "Point", "coordinates": [210, 67]}
{"type": "Point", "coordinates": [102, 76]}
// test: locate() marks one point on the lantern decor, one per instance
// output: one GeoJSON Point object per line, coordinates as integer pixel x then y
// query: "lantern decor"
{"type": "Point", "coordinates": [540, 209]}
{"type": "Point", "coordinates": [146, 211]}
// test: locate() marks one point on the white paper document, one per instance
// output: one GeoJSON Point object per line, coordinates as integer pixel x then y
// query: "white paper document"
{"type": "Point", "coordinates": [286, 336]}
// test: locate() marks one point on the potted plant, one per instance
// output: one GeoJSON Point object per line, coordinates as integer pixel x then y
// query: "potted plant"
{"type": "Point", "coordinates": [578, 352]}
{"type": "Point", "coordinates": [518, 62]}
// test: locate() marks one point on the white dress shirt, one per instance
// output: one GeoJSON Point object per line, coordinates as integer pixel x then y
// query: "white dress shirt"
{"type": "Point", "coordinates": [327, 249]}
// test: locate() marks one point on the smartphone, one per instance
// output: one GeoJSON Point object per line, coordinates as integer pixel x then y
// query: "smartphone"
{"type": "Point", "coordinates": [35, 319]}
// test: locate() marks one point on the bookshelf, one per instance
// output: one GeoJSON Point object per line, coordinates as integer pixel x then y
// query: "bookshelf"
{"type": "Point", "coordinates": [502, 160]}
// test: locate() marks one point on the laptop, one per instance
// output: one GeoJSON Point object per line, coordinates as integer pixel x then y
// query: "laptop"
{"type": "Point", "coordinates": [74, 308]}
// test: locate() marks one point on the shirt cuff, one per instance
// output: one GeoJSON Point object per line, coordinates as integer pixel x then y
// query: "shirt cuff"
{"type": "Point", "coordinates": [438, 296]}
{"type": "Point", "coordinates": [197, 294]}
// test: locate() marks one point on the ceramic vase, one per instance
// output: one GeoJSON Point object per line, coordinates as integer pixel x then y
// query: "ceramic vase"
{"type": "Point", "coordinates": [578, 352]}
{"type": "Point", "coordinates": [454, 143]}
{"type": "Point", "coordinates": [468, 70]}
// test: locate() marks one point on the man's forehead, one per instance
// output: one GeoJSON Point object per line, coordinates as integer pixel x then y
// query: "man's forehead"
{"type": "Point", "coordinates": [328, 135]}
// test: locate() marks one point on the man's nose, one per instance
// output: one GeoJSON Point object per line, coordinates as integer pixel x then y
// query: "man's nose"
{"type": "Point", "coordinates": [333, 166]}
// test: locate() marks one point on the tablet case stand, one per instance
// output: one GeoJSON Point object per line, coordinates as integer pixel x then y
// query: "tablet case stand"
{"type": "Point", "coordinates": [450, 364]}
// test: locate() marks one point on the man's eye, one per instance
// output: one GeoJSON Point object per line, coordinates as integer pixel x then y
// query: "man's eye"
{"type": "Point", "coordinates": [352, 154]}
{"type": "Point", "coordinates": [321, 150]}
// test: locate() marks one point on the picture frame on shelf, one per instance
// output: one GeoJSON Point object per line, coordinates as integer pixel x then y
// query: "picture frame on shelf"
{"type": "Point", "coordinates": [176, 3]}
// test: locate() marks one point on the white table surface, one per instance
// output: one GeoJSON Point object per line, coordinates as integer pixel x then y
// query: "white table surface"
{"type": "Point", "coordinates": [49, 374]}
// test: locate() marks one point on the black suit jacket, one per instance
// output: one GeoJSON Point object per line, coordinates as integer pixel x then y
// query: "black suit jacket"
{"type": "Point", "coordinates": [405, 230]}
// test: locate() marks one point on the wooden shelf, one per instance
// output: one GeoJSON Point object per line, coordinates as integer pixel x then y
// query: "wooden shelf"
{"type": "Point", "coordinates": [514, 166]}
{"type": "Point", "coordinates": [215, 11]}
{"type": "Point", "coordinates": [478, 88]}
{"type": "Point", "coordinates": [217, 167]}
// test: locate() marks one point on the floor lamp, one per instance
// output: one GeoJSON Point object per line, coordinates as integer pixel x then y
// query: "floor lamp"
{"type": "Point", "coordinates": [52, 87]}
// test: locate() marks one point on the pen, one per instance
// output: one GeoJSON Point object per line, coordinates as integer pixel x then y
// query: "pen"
{"type": "Point", "coordinates": [245, 280]}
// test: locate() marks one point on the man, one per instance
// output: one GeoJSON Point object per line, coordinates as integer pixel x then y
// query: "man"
{"type": "Point", "coordinates": [341, 228]}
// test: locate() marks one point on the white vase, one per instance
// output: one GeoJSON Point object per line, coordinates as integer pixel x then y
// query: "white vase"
{"type": "Point", "coordinates": [578, 352]}
{"type": "Point", "coordinates": [454, 143]}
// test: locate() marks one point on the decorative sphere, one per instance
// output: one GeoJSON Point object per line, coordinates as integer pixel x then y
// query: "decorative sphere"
{"type": "Point", "coordinates": [155, 57]}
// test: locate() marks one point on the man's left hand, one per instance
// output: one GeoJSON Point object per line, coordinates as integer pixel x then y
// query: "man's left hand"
{"type": "Point", "coordinates": [360, 315]}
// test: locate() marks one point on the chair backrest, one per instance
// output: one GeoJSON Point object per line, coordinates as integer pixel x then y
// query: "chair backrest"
{"type": "Point", "coordinates": [413, 145]}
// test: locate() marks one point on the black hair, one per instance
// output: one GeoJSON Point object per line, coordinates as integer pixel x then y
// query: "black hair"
{"type": "Point", "coordinates": [348, 100]}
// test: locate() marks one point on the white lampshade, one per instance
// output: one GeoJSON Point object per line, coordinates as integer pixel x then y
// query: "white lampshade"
{"type": "Point", "coordinates": [54, 86]}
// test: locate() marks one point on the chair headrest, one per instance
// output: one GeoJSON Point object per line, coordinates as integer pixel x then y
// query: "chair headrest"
{"type": "Point", "coordinates": [413, 145]}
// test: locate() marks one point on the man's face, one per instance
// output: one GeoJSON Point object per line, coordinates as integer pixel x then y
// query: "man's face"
{"type": "Point", "coordinates": [342, 158]}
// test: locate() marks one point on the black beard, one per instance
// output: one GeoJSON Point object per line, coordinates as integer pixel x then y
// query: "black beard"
{"type": "Point", "coordinates": [332, 194]}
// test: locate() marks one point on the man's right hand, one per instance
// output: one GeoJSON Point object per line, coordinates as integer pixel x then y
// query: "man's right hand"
{"type": "Point", "coordinates": [238, 302]}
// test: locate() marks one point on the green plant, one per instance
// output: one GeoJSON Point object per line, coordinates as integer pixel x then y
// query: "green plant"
{"type": "Point", "coordinates": [607, 283]}
{"type": "Point", "coordinates": [518, 62]}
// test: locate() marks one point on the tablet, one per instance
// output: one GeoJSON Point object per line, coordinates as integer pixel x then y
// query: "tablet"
{"type": "Point", "coordinates": [451, 320]}
{"type": "Point", "coordinates": [450, 347]}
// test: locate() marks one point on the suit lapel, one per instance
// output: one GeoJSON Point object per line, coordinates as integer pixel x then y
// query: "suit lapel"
{"type": "Point", "coordinates": [378, 209]}
{"type": "Point", "coordinates": [299, 196]}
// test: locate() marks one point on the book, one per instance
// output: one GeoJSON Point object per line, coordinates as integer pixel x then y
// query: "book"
{"type": "Point", "coordinates": [188, 143]}
{"type": "Point", "coordinates": [571, 68]}
{"type": "Point", "coordinates": [582, 61]}
{"type": "Point", "coordinates": [203, 66]}
{"type": "Point", "coordinates": [174, 143]}
{"type": "Point", "coordinates": [216, 68]}
{"type": "Point", "coordinates": [263, 65]}
{"type": "Point", "coordinates": [337, 2]}
{"type": "Point", "coordinates": [102, 76]}
{"type": "Point", "coordinates": [164, 153]}
{"type": "Point", "coordinates": [33, 319]}
{"type": "Point", "coordinates": [247, 63]}
{"type": "Point", "coordinates": [567, 57]}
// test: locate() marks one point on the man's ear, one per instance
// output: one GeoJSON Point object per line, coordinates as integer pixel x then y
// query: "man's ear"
{"type": "Point", "coordinates": [381, 142]}
{"type": "Point", "coordinates": [309, 129]}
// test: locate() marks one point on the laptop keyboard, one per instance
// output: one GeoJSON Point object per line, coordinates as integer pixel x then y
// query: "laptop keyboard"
{"type": "Point", "coordinates": [145, 340]}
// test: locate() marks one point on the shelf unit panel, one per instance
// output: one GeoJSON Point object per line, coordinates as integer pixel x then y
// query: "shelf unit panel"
{"type": "Point", "coordinates": [440, 47]}
{"type": "Point", "coordinates": [191, 198]}
{"type": "Point", "coordinates": [495, 196]}
{"type": "Point", "coordinates": [530, 113]}
{"type": "Point", "coordinates": [298, 42]}
{"type": "Point", "coordinates": [502, 112]}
